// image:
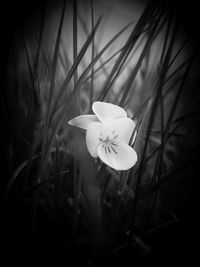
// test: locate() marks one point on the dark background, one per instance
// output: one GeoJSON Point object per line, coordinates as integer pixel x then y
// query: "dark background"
{"type": "Point", "coordinates": [180, 243]}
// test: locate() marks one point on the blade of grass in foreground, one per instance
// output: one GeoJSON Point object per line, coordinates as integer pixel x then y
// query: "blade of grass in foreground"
{"type": "Point", "coordinates": [157, 25]}
{"type": "Point", "coordinates": [82, 77]}
{"type": "Point", "coordinates": [16, 173]}
{"type": "Point", "coordinates": [159, 160]}
{"type": "Point", "coordinates": [140, 26]}
{"type": "Point", "coordinates": [153, 32]}
{"type": "Point", "coordinates": [178, 52]}
{"type": "Point", "coordinates": [75, 38]}
{"type": "Point", "coordinates": [116, 209]}
{"type": "Point", "coordinates": [76, 178]}
{"type": "Point", "coordinates": [92, 57]}
{"type": "Point", "coordinates": [57, 184]}
{"type": "Point", "coordinates": [29, 66]}
{"type": "Point", "coordinates": [177, 98]}
{"type": "Point", "coordinates": [43, 161]}
{"type": "Point", "coordinates": [84, 74]}
{"type": "Point", "coordinates": [177, 80]}
{"type": "Point", "coordinates": [47, 147]}
{"type": "Point", "coordinates": [53, 75]}
{"type": "Point", "coordinates": [75, 197]}
{"type": "Point", "coordinates": [125, 176]}
{"type": "Point", "coordinates": [87, 70]}
{"type": "Point", "coordinates": [58, 97]}
{"type": "Point", "coordinates": [140, 125]}
{"type": "Point", "coordinates": [103, 64]}
{"type": "Point", "coordinates": [50, 180]}
{"type": "Point", "coordinates": [146, 105]}
{"type": "Point", "coordinates": [165, 135]}
{"type": "Point", "coordinates": [36, 142]}
{"type": "Point", "coordinates": [68, 78]}
{"type": "Point", "coordinates": [164, 61]}
{"type": "Point", "coordinates": [115, 54]}
{"type": "Point", "coordinates": [40, 40]}
{"type": "Point", "coordinates": [150, 123]}
{"type": "Point", "coordinates": [167, 177]}
{"type": "Point", "coordinates": [86, 31]}
{"type": "Point", "coordinates": [138, 65]}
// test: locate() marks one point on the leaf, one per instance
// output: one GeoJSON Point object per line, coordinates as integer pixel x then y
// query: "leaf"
{"type": "Point", "coordinates": [16, 173]}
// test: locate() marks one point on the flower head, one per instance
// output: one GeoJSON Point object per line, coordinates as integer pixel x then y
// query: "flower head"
{"type": "Point", "coordinates": [107, 135]}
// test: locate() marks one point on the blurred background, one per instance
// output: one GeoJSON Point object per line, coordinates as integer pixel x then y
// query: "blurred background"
{"type": "Point", "coordinates": [57, 58]}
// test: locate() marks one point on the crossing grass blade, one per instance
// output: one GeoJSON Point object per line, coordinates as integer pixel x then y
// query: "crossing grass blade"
{"type": "Point", "coordinates": [53, 75]}
{"type": "Point", "coordinates": [57, 184]}
{"type": "Point", "coordinates": [29, 66]}
{"type": "Point", "coordinates": [165, 133]}
{"type": "Point", "coordinates": [16, 173]}
{"type": "Point", "coordinates": [60, 94]}
{"type": "Point", "coordinates": [164, 58]}
{"type": "Point", "coordinates": [40, 177]}
{"type": "Point", "coordinates": [47, 145]}
{"type": "Point", "coordinates": [48, 181]}
{"type": "Point", "coordinates": [87, 70]}
{"type": "Point", "coordinates": [135, 34]}
{"type": "Point", "coordinates": [138, 65]}
{"type": "Point", "coordinates": [36, 63]}
{"type": "Point", "coordinates": [150, 123]}
{"type": "Point", "coordinates": [75, 38]}
{"type": "Point", "coordinates": [178, 52]}
{"type": "Point", "coordinates": [75, 43]}
{"type": "Point", "coordinates": [116, 53]}
{"type": "Point", "coordinates": [92, 57]}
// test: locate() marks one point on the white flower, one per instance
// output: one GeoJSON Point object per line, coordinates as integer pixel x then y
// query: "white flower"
{"type": "Point", "coordinates": [107, 135]}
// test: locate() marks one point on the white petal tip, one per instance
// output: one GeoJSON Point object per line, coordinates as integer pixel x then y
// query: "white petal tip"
{"type": "Point", "coordinates": [70, 122]}
{"type": "Point", "coordinates": [82, 121]}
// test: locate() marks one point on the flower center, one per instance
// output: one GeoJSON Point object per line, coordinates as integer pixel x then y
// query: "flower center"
{"type": "Point", "coordinates": [107, 139]}
{"type": "Point", "coordinates": [108, 135]}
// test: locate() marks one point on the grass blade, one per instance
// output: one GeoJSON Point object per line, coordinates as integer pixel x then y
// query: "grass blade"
{"type": "Point", "coordinates": [58, 184]}
{"type": "Point", "coordinates": [92, 57]}
{"type": "Point", "coordinates": [16, 173]}
{"type": "Point", "coordinates": [140, 26]}
{"type": "Point", "coordinates": [58, 97]}
{"type": "Point", "coordinates": [40, 39]}
{"type": "Point", "coordinates": [53, 72]}
{"type": "Point", "coordinates": [138, 65]}
{"type": "Point", "coordinates": [89, 67]}
{"type": "Point", "coordinates": [75, 38]}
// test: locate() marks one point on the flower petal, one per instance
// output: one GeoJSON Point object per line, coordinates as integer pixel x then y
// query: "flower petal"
{"type": "Point", "coordinates": [93, 137]}
{"type": "Point", "coordinates": [107, 111]}
{"type": "Point", "coordinates": [121, 129]}
{"type": "Point", "coordinates": [83, 121]}
{"type": "Point", "coordinates": [119, 156]}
